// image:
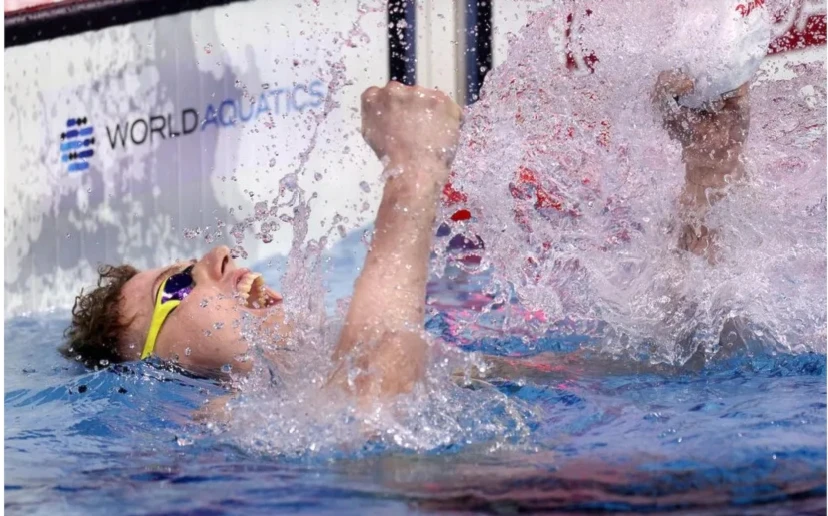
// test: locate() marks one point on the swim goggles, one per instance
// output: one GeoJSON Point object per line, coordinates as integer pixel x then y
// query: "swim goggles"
{"type": "Point", "coordinates": [171, 293]}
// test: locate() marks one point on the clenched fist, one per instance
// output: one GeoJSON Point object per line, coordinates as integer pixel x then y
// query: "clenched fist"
{"type": "Point", "coordinates": [716, 129]}
{"type": "Point", "coordinates": [410, 124]}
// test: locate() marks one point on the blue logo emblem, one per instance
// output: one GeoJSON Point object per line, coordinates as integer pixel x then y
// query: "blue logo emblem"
{"type": "Point", "coordinates": [76, 144]}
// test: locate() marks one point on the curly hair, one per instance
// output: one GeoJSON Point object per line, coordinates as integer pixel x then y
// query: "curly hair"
{"type": "Point", "coordinates": [97, 327]}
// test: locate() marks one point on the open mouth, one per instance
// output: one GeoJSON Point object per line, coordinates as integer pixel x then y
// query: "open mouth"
{"type": "Point", "coordinates": [254, 293]}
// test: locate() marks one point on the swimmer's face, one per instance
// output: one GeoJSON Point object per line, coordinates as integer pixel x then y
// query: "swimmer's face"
{"type": "Point", "coordinates": [204, 333]}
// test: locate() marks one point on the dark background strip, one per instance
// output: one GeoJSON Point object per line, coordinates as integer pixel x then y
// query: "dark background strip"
{"type": "Point", "coordinates": [478, 55]}
{"type": "Point", "coordinates": [54, 21]}
{"type": "Point", "coordinates": [402, 41]}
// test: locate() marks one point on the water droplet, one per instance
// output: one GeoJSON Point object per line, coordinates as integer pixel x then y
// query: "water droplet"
{"type": "Point", "coordinates": [226, 368]}
{"type": "Point", "coordinates": [187, 351]}
{"type": "Point", "coordinates": [238, 252]}
{"type": "Point", "coordinates": [365, 187]}
{"type": "Point", "coordinates": [104, 362]}
{"type": "Point", "coordinates": [203, 303]}
{"type": "Point", "coordinates": [183, 441]}
{"type": "Point", "coordinates": [218, 325]}
{"type": "Point", "coordinates": [260, 210]}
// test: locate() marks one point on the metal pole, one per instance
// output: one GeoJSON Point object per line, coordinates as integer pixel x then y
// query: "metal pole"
{"type": "Point", "coordinates": [402, 41]}
{"type": "Point", "coordinates": [478, 46]}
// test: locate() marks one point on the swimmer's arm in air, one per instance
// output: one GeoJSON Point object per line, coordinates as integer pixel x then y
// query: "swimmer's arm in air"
{"type": "Point", "coordinates": [712, 140]}
{"type": "Point", "coordinates": [381, 351]}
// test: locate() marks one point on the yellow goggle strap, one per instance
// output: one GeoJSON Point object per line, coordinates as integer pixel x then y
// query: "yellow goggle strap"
{"type": "Point", "coordinates": [159, 315]}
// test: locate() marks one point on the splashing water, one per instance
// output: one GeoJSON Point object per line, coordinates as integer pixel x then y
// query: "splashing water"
{"type": "Point", "coordinates": [273, 415]}
{"type": "Point", "coordinates": [573, 187]}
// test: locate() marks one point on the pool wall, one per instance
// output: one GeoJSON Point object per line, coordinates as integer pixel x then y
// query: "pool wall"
{"type": "Point", "coordinates": [146, 141]}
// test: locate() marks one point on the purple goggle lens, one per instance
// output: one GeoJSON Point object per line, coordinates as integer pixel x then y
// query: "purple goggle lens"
{"type": "Point", "coordinates": [178, 286]}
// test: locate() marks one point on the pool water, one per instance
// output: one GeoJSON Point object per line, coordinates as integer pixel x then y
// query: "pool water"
{"type": "Point", "coordinates": [743, 436]}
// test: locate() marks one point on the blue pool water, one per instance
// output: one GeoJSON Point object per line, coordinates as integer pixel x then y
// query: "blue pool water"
{"type": "Point", "coordinates": [744, 436]}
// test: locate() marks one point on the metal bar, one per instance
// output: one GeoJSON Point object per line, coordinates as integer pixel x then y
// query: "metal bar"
{"type": "Point", "coordinates": [478, 27]}
{"type": "Point", "coordinates": [402, 41]}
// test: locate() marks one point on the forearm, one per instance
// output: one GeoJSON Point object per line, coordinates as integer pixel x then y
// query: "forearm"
{"type": "Point", "coordinates": [712, 152]}
{"type": "Point", "coordinates": [385, 317]}
{"type": "Point", "coordinates": [381, 350]}
{"type": "Point", "coordinates": [393, 280]}
{"type": "Point", "coordinates": [708, 174]}
{"type": "Point", "coordinates": [707, 177]}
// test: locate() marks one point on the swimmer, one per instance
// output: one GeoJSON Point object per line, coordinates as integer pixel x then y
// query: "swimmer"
{"type": "Point", "coordinates": [712, 138]}
{"type": "Point", "coordinates": [166, 312]}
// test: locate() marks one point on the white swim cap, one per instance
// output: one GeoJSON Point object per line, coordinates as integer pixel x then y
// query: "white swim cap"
{"type": "Point", "coordinates": [721, 44]}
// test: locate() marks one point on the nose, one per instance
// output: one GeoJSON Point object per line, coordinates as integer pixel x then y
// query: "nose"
{"type": "Point", "coordinates": [216, 264]}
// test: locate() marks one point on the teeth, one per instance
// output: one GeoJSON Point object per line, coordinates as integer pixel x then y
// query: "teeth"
{"type": "Point", "coordinates": [257, 292]}
{"type": "Point", "coordinates": [245, 283]}
{"type": "Point", "coordinates": [252, 290]}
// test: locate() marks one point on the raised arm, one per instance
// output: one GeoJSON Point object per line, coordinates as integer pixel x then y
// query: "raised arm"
{"type": "Point", "coordinates": [712, 140]}
{"type": "Point", "coordinates": [381, 351]}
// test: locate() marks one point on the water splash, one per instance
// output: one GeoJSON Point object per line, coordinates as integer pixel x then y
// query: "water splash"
{"type": "Point", "coordinates": [573, 187]}
{"type": "Point", "coordinates": [284, 409]}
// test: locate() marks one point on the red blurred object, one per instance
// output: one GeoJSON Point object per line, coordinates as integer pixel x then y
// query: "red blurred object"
{"type": "Point", "coordinates": [800, 25]}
